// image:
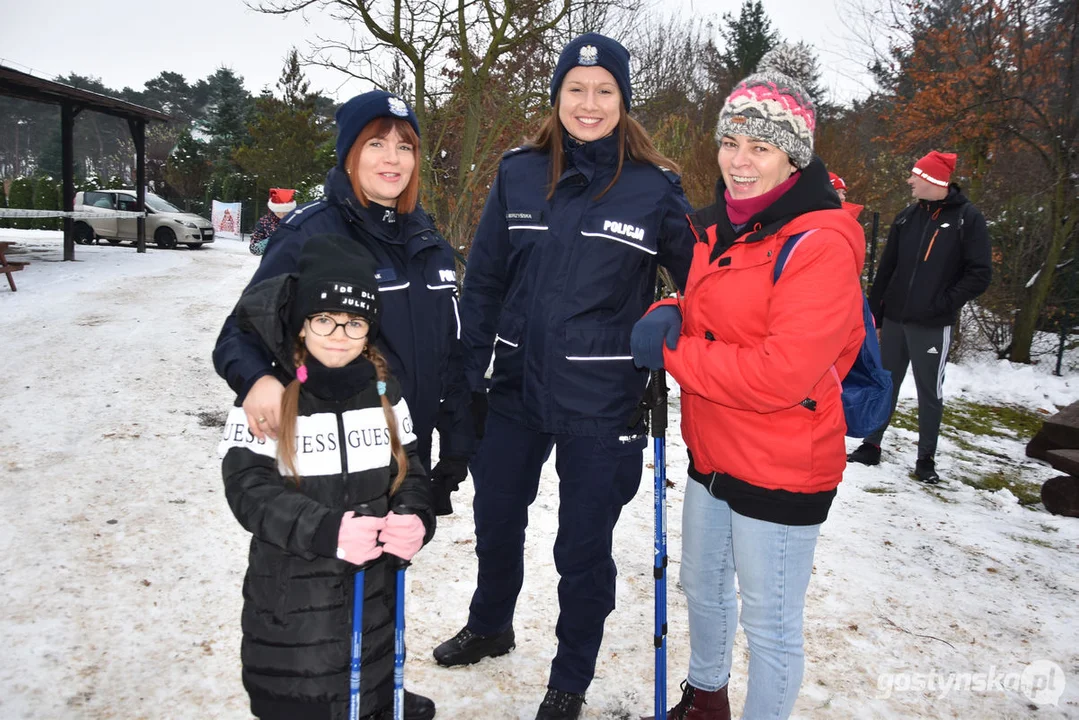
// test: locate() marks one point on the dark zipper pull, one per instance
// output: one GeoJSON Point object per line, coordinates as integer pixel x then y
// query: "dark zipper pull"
{"type": "Point", "coordinates": [809, 404]}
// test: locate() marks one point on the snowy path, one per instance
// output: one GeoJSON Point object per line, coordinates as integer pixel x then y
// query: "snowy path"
{"type": "Point", "coordinates": [122, 564]}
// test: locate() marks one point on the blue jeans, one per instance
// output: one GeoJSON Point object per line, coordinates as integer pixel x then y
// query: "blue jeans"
{"type": "Point", "coordinates": [773, 563]}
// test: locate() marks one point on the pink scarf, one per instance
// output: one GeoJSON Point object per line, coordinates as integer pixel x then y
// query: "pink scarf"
{"type": "Point", "coordinates": [739, 212]}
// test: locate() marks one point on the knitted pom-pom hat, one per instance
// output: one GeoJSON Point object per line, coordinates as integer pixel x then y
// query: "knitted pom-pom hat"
{"type": "Point", "coordinates": [772, 106]}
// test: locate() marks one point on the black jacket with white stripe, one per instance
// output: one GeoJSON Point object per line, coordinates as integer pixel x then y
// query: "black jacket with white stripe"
{"type": "Point", "coordinates": [297, 613]}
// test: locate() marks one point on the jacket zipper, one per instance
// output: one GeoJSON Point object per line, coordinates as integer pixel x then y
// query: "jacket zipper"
{"type": "Point", "coordinates": [931, 241]}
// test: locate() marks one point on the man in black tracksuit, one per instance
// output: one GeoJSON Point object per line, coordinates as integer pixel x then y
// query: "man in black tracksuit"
{"type": "Point", "coordinates": [937, 258]}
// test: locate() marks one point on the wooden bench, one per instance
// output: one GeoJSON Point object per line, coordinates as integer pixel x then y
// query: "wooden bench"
{"type": "Point", "coordinates": [9, 266]}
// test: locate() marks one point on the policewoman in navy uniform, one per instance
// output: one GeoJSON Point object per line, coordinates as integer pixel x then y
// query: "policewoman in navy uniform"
{"type": "Point", "coordinates": [563, 263]}
{"type": "Point", "coordinates": [372, 197]}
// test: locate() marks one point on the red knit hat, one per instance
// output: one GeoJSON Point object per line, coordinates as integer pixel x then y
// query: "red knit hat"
{"type": "Point", "coordinates": [282, 200]}
{"type": "Point", "coordinates": [936, 167]}
{"type": "Point", "coordinates": [837, 182]}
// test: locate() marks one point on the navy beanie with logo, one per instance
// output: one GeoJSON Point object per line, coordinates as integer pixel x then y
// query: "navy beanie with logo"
{"type": "Point", "coordinates": [354, 115]}
{"type": "Point", "coordinates": [594, 49]}
{"type": "Point", "coordinates": [335, 275]}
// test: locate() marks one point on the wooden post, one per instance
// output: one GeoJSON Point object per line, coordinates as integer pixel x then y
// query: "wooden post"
{"type": "Point", "coordinates": [67, 140]}
{"type": "Point", "coordinates": [138, 134]}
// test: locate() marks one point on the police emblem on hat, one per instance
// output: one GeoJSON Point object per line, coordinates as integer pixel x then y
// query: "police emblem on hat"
{"type": "Point", "coordinates": [588, 55]}
{"type": "Point", "coordinates": [398, 107]}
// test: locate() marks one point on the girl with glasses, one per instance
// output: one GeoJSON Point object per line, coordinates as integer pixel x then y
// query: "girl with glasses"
{"type": "Point", "coordinates": [342, 486]}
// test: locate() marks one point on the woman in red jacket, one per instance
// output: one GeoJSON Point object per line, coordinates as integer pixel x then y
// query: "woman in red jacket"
{"type": "Point", "coordinates": [759, 360]}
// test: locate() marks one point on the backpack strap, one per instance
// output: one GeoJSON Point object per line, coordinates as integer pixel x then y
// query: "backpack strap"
{"type": "Point", "coordinates": [787, 250]}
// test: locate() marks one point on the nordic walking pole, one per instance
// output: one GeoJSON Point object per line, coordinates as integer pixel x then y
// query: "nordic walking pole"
{"type": "Point", "coordinates": [357, 634]}
{"type": "Point", "coordinates": [399, 647]}
{"type": "Point", "coordinates": [658, 403]}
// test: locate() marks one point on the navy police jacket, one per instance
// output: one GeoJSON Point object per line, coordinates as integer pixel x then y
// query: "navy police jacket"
{"type": "Point", "coordinates": [556, 285]}
{"type": "Point", "coordinates": [419, 328]}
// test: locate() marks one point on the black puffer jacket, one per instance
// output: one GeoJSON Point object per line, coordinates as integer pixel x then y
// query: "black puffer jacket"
{"type": "Point", "coordinates": [937, 258]}
{"type": "Point", "coordinates": [297, 614]}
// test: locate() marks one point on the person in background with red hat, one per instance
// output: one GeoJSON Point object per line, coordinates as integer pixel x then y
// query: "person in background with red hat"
{"type": "Point", "coordinates": [840, 188]}
{"type": "Point", "coordinates": [936, 259]}
{"type": "Point", "coordinates": [282, 202]}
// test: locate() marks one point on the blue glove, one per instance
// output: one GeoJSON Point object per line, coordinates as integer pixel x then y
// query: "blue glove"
{"type": "Point", "coordinates": [646, 340]}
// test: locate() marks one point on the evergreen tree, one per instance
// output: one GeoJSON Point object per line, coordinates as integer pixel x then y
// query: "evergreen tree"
{"type": "Point", "coordinates": [746, 39]}
{"type": "Point", "coordinates": [46, 197]}
{"type": "Point", "coordinates": [285, 135]}
{"type": "Point", "coordinates": [21, 196]}
{"type": "Point", "coordinates": [188, 167]}
{"type": "Point", "coordinates": [229, 107]}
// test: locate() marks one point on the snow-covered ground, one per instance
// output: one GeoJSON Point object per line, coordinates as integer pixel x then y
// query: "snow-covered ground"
{"type": "Point", "coordinates": [121, 563]}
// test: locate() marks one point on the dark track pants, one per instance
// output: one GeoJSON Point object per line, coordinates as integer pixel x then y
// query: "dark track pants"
{"type": "Point", "coordinates": [925, 349]}
{"type": "Point", "coordinates": [597, 477]}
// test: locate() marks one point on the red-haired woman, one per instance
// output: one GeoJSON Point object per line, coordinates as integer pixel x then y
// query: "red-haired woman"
{"type": "Point", "coordinates": [372, 198]}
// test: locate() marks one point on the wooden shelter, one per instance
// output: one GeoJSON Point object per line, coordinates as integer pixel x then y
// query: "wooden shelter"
{"type": "Point", "coordinates": [72, 101]}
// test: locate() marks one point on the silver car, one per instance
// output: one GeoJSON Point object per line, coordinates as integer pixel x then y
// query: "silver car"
{"type": "Point", "coordinates": [166, 224]}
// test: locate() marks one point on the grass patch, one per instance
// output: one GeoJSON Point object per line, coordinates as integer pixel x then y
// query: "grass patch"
{"type": "Point", "coordinates": [1028, 493]}
{"type": "Point", "coordinates": [880, 490]}
{"type": "Point", "coordinates": [963, 416]}
{"type": "Point", "coordinates": [1032, 541]}
{"type": "Point", "coordinates": [994, 420]}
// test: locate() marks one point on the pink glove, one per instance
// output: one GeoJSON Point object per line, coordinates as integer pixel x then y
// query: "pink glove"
{"type": "Point", "coordinates": [357, 540]}
{"type": "Point", "coordinates": [403, 535]}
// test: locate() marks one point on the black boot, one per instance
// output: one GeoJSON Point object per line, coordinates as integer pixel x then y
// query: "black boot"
{"type": "Point", "coordinates": [417, 707]}
{"type": "Point", "coordinates": [560, 705]}
{"type": "Point", "coordinates": [866, 454]}
{"type": "Point", "coordinates": [925, 470]}
{"type": "Point", "coordinates": [466, 647]}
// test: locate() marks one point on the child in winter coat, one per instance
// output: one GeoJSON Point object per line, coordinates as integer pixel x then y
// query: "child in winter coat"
{"type": "Point", "coordinates": [342, 488]}
{"type": "Point", "coordinates": [282, 201]}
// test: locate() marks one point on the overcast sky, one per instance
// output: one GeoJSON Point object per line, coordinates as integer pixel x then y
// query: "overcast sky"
{"type": "Point", "coordinates": [126, 45]}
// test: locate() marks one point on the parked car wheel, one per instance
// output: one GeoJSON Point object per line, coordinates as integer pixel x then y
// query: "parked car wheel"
{"type": "Point", "coordinates": [84, 234]}
{"type": "Point", "coordinates": [194, 246]}
{"type": "Point", "coordinates": [165, 238]}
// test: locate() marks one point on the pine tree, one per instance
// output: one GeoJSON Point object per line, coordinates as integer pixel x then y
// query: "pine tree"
{"type": "Point", "coordinates": [188, 167]}
{"type": "Point", "coordinates": [746, 38]}
{"type": "Point", "coordinates": [229, 108]}
{"type": "Point", "coordinates": [285, 135]}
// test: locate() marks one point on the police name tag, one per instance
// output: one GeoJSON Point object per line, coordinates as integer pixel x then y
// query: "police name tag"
{"type": "Point", "coordinates": [524, 217]}
{"type": "Point", "coordinates": [385, 275]}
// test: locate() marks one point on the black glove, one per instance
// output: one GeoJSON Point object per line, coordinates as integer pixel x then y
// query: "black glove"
{"type": "Point", "coordinates": [446, 477]}
{"type": "Point", "coordinates": [479, 413]}
{"type": "Point", "coordinates": [450, 472]}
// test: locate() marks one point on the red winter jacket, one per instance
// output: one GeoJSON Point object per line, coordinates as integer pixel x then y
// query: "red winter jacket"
{"type": "Point", "coordinates": [751, 351]}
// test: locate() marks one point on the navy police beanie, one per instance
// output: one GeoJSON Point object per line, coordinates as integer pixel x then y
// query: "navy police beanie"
{"type": "Point", "coordinates": [594, 49]}
{"type": "Point", "coordinates": [335, 274]}
{"type": "Point", "coordinates": [354, 115]}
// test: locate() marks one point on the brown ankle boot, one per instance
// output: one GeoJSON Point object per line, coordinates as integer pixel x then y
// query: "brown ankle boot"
{"type": "Point", "coordinates": [697, 704]}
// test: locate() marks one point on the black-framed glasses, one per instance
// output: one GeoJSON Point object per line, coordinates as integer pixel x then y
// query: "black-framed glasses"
{"type": "Point", "coordinates": [325, 326]}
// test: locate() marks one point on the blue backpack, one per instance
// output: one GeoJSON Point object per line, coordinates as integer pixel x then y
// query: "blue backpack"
{"type": "Point", "coordinates": [867, 388]}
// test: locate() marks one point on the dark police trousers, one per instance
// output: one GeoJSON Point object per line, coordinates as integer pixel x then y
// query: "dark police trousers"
{"type": "Point", "coordinates": [597, 477]}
